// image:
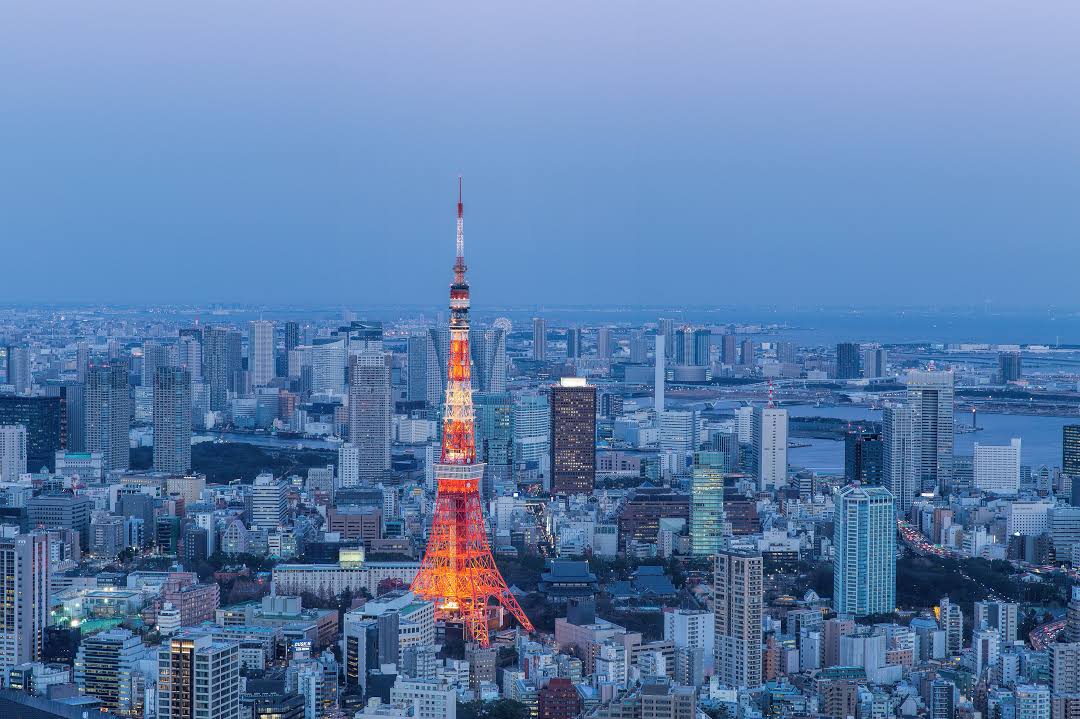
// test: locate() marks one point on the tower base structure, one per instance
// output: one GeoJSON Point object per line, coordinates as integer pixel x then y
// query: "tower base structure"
{"type": "Point", "coordinates": [458, 572]}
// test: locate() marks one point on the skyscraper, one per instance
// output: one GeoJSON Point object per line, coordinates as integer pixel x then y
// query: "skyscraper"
{"type": "Point", "coordinates": [24, 587]}
{"type": "Point", "coordinates": [573, 436]}
{"type": "Point", "coordinates": [172, 420]}
{"type": "Point", "coordinates": [1010, 367]}
{"type": "Point", "coordinates": [728, 352]}
{"type": "Point", "coordinates": [12, 452]}
{"type": "Point", "coordinates": [573, 342]}
{"type": "Point", "coordinates": [659, 376]}
{"type": "Point", "coordinates": [269, 503]}
{"type": "Point", "coordinates": [108, 414]}
{"type": "Point", "coordinates": [847, 360]}
{"type": "Point", "coordinates": [873, 362]}
{"type": "Point", "coordinates": [707, 520]}
{"type": "Point", "coordinates": [737, 592]}
{"type": "Point", "coordinates": [488, 348]}
{"type": "Point", "coordinates": [220, 363]}
{"type": "Point", "coordinates": [199, 677]}
{"type": "Point", "coordinates": [864, 542]}
{"type": "Point", "coordinates": [747, 354]}
{"type": "Point", "coordinates": [18, 369]}
{"type": "Point", "coordinates": [292, 336]}
{"type": "Point", "coordinates": [639, 348]}
{"type": "Point", "coordinates": [156, 354]}
{"type": "Point", "coordinates": [43, 419]}
{"type": "Point", "coordinates": [770, 447]}
{"type": "Point", "coordinates": [863, 457]}
{"type": "Point", "coordinates": [261, 352]}
{"type": "Point", "coordinates": [369, 410]}
{"type": "Point", "coordinates": [997, 468]}
{"type": "Point", "coordinates": [539, 347]}
{"type": "Point", "coordinates": [603, 343]}
{"type": "Point", "coordinates": [1070, 450]}
{"type": "Point", "coordinates": [417, 368]}
{"type": "Point", "coordinates": [702, 347]}
{"type": "Point", "coordinates": [898, 455]}
{"type": "Point", "coordinates": [930, 396]}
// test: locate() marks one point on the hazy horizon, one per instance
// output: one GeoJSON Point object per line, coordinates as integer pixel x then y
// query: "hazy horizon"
{"type": "Point", "coordinates": [833, 154]}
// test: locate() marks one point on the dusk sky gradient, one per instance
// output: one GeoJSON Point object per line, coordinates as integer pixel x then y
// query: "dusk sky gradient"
{"type": "Point", "coordinates": [843, 153]}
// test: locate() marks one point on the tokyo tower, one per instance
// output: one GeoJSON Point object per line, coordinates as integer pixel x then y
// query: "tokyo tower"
{"type": "Point", "coordinates": [458, 572]}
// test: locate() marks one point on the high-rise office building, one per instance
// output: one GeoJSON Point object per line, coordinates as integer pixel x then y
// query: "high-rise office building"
{"type": "Point", "coordinates": [103, 668]}
{"type": "Point", "coordinates": [221, 363]}
{"type": "Point", "coordinates": [639, 348]}
{"type": "Point", "coordinates": [863, 457]}
{"type": "Point", "coordinates": [873, 362]}
{"type": "Point", "coordinates": [269, 502]}
{"type": "Point", "coordinates": [996, 468]}
{"type": "Point", "coordinates": [678, 432]}
{"type": "Point", "coordinates": [847, 360]}
{"type": "Point", "coordinates": [1070, 450]}
{"type": "Point", "coordinates": [261, 352]}
{"type": "Point", "coordinates": [12, 452]}
{"type": "Point", "coordinates": [659, 376]}
{"type": "Point", "coordinates": [785, 352]}
{"type": "Point", "coordinates": [18, 369]}
{"type": "Point", "coordinates": [24, 589]}
{"type": "Point", "coordinates": [898, 455]}
{"type": "Point", "coordinates": [737, 593]}
{"type": "Point", "coordinates": [417, 368]}
{"type": "Point", "coordinates": [930, 396]}
{"type": "Point", "coordinates": [864, 546]}
{"type": "Point", "coordinates": [708, 524]}
{"type": "Point", "coordinates": [438, 354]}
{"type": "Point", "coordinates": [494, 435]}
{"type": "Point", "coordinates": [1010, 367]}
{"type": "Point", "coordinates": [539, 346]}
{"type": "Point", "coordinates": [701, 344]}
{"type": "Point", "coordinates": [728, 350]}
{"type": "Point", "coordinates": [488, 349]}
{"type": "Point", "coordinates": [348, 465]}
{"type": "Point", "coordinates": [573, 342]}
{"type": "Point", "coordinates": [72, 397]}
{"type": "Point", "coordinates": [199, 678]}
{"type": "Point", "coordinates": [573, 437]}
{"type": "Point", "coordinates": [43, 419]}
{"type": "Point", "coordinates": [770, 436]}
{"type": "Point", "coordinates": [292, 336]}
{"type": "Point", "coordinates": [530, 420]}
{"type": "Point", "coordinates": [189, 355]}
{"type": "Point", "coordinates": [157, 354]}
{"type": "Point", "coordinates": [370, 411]}
{"type": "Point", "coordinates": [172, 420]}
{"type": "Point", "coordinates": [746, 356]}
{"type": "Point", "coordinates": [108, 414]}
{"type": "Point", "coordinates": [603, 343]}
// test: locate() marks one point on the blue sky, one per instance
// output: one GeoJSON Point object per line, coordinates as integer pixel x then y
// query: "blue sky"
{"type": "Point", "coordinates": [844, 153]}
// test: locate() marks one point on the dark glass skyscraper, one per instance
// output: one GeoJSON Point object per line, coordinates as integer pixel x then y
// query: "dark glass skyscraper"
{"type": "Point", "coordinates": [847, 360]}
{"type": "Point", "coordinates": [1010, 367]}
{"type": "Point", "coordinates": [42, 418]}
{"type": "Point", "coordinates": [863, 457]}
{"type": "Point", "coordinates": [573, 437]}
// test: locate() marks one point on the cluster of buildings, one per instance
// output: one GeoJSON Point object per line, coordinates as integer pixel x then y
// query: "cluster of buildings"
{"type": "Point", "coordinates": [675, 529]}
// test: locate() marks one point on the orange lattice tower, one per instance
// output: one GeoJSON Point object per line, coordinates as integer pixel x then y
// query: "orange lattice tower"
{"type": "Point", "coordinates": [458, 572]}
